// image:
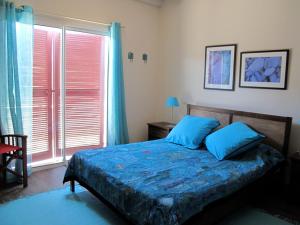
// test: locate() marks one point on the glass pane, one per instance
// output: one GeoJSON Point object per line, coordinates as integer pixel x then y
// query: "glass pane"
{"type": "Point", "coordinates": [46, 75]}
{"type": "Point", "coordinates": [85, 62]}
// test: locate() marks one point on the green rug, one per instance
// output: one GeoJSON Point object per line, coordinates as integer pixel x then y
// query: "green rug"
{"type": "Point", "coordinates": [61, 207]}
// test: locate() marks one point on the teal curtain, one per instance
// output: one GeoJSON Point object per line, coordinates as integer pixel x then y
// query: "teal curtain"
{"type": "Point", "coordinates": [16, 56]}
{"type": "Point", "coordinates": [117, 131]}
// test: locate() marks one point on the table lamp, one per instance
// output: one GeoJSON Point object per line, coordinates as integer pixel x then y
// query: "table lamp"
{"type": "Point", "coordinates": [171, 103]}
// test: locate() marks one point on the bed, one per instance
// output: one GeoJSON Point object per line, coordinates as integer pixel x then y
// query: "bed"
{"type": "Point", "coordinates": [161, 183]}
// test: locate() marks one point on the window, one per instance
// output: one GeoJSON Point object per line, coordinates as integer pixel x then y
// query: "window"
{"type": "Point", "coordinates": [85, 90]}
{"type": "Point", "coordinates": [46, 76]}
{"type": "Point", "coordinates": [69, 92]}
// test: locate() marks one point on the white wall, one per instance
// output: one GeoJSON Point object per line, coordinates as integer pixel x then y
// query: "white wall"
{"type": "Point", "coordinates": [187, 26]}
{"type": "Point", "coordinates": [175, 37]}
{"type": "Point", "coordinates": [141, 34]}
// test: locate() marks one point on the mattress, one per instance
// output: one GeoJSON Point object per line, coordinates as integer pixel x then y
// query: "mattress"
{"type": "Point", "coordinates": [161, 183]}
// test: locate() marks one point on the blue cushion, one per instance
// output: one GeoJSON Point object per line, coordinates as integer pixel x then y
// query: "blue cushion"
{"type": "Point", "coordinates": [192, 130]}
{"type": "Point", "coordinates": [232, 140]}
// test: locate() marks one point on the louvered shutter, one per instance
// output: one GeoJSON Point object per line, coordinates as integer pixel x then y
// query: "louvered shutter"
{"type": "Point", "coordinates": [85, 88]}
{"type": "Point", "coordinates": [46, 52]}
{"type": "Point", "coordinates": [84, 97]}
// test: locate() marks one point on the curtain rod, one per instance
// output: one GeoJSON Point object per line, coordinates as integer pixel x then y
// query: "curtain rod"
{"type": "Point", "coordinates": [72, 18]}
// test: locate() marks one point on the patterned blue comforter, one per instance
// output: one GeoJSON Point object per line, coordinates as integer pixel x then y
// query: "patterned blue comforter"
{"type": "Point", "coordinates": [160, 183]}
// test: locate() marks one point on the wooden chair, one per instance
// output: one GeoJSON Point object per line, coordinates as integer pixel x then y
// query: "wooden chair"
{"type": "Point", "coordinates": [14, 147]}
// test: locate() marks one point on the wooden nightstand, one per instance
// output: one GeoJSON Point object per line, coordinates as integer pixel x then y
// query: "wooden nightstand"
{"type": "Point", "coordinates": [159, 130]}
{"type": "Point", "coordinates": [294, 190]}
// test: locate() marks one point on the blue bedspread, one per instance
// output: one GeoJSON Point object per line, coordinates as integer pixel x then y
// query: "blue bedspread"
{"type": "Point", "coordinates": [160, 183]}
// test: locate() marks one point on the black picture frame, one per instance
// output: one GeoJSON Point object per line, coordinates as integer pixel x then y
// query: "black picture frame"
{"type": "Point", "coordinates": [231, 85]}
{"type": "Point", "coordinates": [281, 85]}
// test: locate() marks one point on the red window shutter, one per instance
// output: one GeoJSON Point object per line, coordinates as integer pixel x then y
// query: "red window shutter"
{"type": "Point", "coordinates": [84, 96]}
{"type": "Point", "coordinates": [41, 119]}
{"type": "Point", "coordinates": [85, 88]}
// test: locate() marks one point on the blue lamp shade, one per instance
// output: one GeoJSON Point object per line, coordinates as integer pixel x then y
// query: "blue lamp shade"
{"type": "Point", "coordinates": [172, 102]}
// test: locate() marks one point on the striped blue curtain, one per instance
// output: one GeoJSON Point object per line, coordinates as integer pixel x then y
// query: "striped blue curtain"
{"type": "Point", "coordinates": [16, 56]}
{"type": "Point", "coordinates": [117, 131]}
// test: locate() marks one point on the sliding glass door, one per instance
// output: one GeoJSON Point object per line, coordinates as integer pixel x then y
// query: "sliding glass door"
{"type": "Point", "coordinates": [46, 89]}
{"type": "Point", "coordinates": [85, 62]}
{"type": "Point", "coordinates": [69, 92]}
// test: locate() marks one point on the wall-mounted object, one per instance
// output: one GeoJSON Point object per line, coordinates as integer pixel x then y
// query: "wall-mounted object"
{"type": "Point", "coordinates": [130, 56]}
{"type": "Point", "coordinates": [145, 57]}
{"type": "Point", "coordinates": [220, 67]}
{"type": "Point", "coordinates": [264, 69]}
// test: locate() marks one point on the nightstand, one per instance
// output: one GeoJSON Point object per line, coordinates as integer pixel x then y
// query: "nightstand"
{"type": "Point", "coordinates": [294, 190]}
{"type": "Point", "coordinates": [159, 130]}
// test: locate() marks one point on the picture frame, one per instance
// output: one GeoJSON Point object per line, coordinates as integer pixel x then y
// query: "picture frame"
{"type": "Point", "coordinates": [220, 63]}
{"type": "Point", "coordinates": [264, 69]}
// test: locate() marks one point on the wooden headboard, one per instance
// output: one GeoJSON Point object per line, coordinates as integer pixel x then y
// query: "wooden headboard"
{"type": "Point", "coordinates": [276, 128]}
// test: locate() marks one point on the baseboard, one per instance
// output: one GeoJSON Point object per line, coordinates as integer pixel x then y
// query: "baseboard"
{"type": "Point", "coordinates": [49, 166]}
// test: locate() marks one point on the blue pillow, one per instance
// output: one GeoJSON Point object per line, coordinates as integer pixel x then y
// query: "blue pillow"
{"type": "Point", "coordinates": [191, 131]}
{"type": "Point", "coordinates": [232, 140]}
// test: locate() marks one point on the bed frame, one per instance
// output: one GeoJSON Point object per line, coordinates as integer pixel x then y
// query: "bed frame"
{"type": "Point", "coordinates": [276, 128]}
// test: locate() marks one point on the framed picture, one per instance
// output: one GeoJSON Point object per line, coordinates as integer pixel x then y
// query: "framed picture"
{"type": "Point", "coordinates": [220, 67]}
{"type": "Point", "coordinates": [264, 69]}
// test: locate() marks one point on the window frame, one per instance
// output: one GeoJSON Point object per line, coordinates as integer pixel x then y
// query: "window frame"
{"type": "Point", "coordinates": [68, 24]}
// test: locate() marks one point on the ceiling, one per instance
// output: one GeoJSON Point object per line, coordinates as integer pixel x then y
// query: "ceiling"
{"type": "Point", "coordinates": [157, 3]}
